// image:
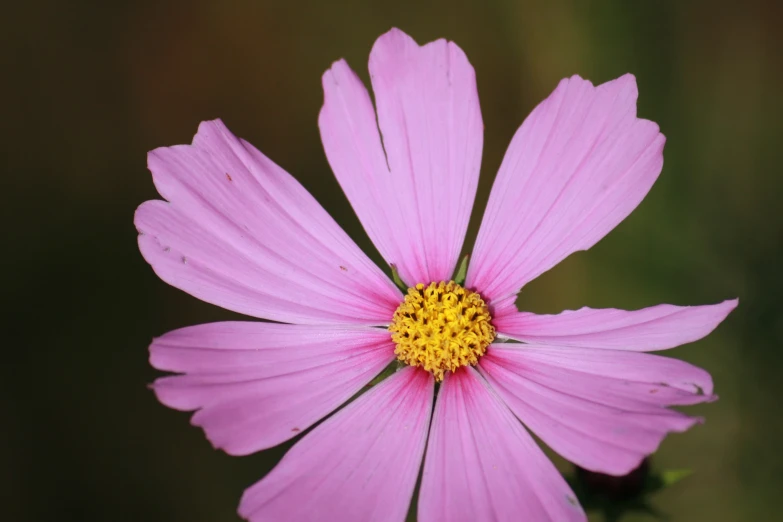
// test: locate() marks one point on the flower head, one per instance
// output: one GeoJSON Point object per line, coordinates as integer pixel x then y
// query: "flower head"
{"type": "Point", "coordinates": [441, 328]}
{"type": "Point", "coordinates": [239, 232]}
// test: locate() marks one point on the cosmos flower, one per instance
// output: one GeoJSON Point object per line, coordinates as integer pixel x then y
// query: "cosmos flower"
{"type": "Point", "coordinates": [237, 231]}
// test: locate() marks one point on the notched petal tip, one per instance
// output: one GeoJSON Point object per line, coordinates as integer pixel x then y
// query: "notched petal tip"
{"type": "Point", "coordinates": [577, 78]}
{"type": "Point", "coordinates": [207, 126]}
{"type": "Point", "coordinates": [394, 36]}
{"type": "Point", "coordinates": [396, 45]}
{"type": "Point", "coordinates": [223, 446]}
{"type": "Point", "coordinates": [626, 81]}
{"type": "Point", "coordinates": [629, 78]}
{"type": "Point", "coordinates": [170, 395]}
{"type": "Point", "coordinates": [394, 31]}
{"type": "Point", "coordinates": [157, 157]}
{"type": "Point", "coordinates": [331, 76]}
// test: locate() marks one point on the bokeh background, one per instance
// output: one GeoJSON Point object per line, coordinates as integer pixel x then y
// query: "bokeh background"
{"type": "Point", "coordinates": [89, 87]}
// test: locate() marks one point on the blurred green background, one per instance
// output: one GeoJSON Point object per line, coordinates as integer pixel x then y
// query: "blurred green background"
{"type": "Point", "coordinates": [89, 88]}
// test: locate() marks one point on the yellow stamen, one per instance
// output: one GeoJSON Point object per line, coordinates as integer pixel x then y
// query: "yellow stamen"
{"type": "Point", "coordinates": [441, 327]}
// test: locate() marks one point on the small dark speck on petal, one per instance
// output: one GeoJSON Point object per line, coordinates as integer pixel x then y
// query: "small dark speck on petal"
{"type": "Point", "coordinates": [184, 260]}
{"type": "Point", "coordinates": [228, 176]}
{"type": "Point", "coordinates": [167, 249]}
{"type": "Point", "coordinates": [343, 268]}
{"type": "Point", "coordinates": [572, 500]}
{"type": "Point", "coordinates": [654, 390]}
{"type": "Point", "coordinates": [295, 430]}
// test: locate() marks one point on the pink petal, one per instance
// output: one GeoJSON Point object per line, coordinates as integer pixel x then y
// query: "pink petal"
{"type": "Point", "coordinates": [481, 464]}
{"type": "Point", "coordinates": [604, 410]}
{"type": "Point", "coordinates": [414, 201]}
{"type": "Point", "coordinates": [656, 328]}
{"type": "Point", "coordinates": [359, 465]}
{"type": "Point", "coordinates": [256, 385]}
{"type": "Point", "coordinates": [241, 233]}
{"type": "Point", "coordinates": [578, 165]}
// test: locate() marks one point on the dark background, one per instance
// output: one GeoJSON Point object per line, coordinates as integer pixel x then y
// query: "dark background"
{"type": "Point", "coordinates": [88, 88]}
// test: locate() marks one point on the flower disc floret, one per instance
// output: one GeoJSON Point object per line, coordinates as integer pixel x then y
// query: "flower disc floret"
{"type": "Point", "coordinates": [441, 327]}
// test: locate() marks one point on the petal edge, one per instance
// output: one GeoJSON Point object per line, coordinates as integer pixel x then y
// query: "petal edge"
{"type": "Point", "coordinates": [656, 328]}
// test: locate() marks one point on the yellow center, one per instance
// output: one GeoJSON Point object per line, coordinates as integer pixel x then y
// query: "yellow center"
{"type": "Point", "coordinates": [441, 327]}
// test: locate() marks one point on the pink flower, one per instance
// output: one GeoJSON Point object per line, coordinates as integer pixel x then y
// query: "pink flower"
{"type": "Point", "coordinates": [239, 232]}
